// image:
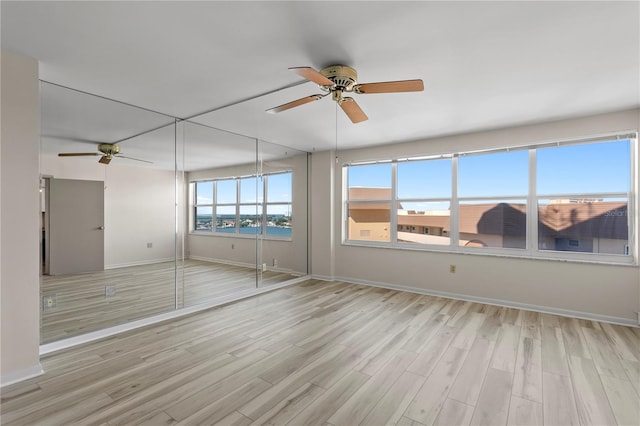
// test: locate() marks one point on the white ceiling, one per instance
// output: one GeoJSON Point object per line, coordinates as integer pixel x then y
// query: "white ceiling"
{"type": "Point", "coordinates": [485, 64]}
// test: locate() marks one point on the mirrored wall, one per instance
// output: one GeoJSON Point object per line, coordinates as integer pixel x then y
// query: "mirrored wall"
{"type": "Point", "coordinates": [144, 214]}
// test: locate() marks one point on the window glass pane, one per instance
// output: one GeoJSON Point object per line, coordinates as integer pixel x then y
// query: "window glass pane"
{"type": "Point", "coordinates": [584, 225]}
{"type": "Point", "coordinates": [279, 187]}
{"type": "Point", "coordinates": [226, 219]}
{"type": "Point", "coordinates": [251, 190]}
{"type": "Point", "coordinates": [584, 168]}
{"type": "Point", "coordinates": [424, 223]}
{"type": "Point", "coordinates": [279, 220]}
{"type": "Point", "coordinates": [226, 191]}
{"type": "Point", "coordinates": [493, 224]}
{"type": "Point", "coordinates": [204, 192]}
{"type": "Point", "coordinates": [369, 221]}
{"type": "Point", "coordinates": [424, 179]}
{"type": "Point", "coordinates": [494, 174]}
{"type": "Point", "coordinates": [204, 218]}
{"type": "Point", "coordinates": [251, 219]}
{"type": "Point", "coordinates": [371, 181]}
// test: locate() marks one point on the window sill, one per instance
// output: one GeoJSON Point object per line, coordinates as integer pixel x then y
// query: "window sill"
{"type": "Point", "coordinates": [504, 253]}
{"type": "Point", "coordinates": [241, 236]}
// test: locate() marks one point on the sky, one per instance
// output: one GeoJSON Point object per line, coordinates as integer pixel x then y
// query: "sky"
{"type": "Point", "coordinates": [571, 169]}
{"type": "Point", "coordinates": [279, 187]}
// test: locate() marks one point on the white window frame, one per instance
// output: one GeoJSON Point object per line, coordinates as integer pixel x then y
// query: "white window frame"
{"type": "Point", "coordinates": [260, 180]}
{"type": "Point", "coordinates": [531, 251]}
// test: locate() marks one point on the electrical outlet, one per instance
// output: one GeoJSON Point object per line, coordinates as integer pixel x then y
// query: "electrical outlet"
{"type": "Point", "coordinates": [48, 302]}
{"type": "Point", "coordinates": [149, 245]}
{"type": "Point", "coordinates": [109, 291]}
{"type": "Point", "coordinates": [264, 267]}
{"type": "Point", "coordinates": [452, 269]}
{"type": "Point", "coordinates": [275, 262]}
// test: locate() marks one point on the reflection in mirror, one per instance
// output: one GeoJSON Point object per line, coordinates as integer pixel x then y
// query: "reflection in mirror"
{"type": "Point", "coordinates": [108, 241]}
{"type": "Point", "coordinates": [282, 247]}
{"type": "Point", "coordinates": [145, 214]}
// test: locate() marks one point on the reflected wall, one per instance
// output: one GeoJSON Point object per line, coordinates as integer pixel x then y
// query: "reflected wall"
{"type": "Point", "coordinates": [165, 246]}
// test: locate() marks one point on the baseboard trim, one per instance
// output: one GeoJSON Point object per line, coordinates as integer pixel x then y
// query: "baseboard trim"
{"type": "Point", "coordinates": [496, 302]}
{"type": "Point", "coordinates": [22, 375]}
{"type": "Point", "coordinates": [59, 345]}
{"type": "Point", "coordinates": [139, 263]}
{"type": "Point", "coordinates": [322, 277]}
{"type": "Point", "coordinates": [223, 261]}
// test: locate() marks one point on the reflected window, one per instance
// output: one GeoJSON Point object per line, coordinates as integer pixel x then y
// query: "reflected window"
{"type": "Point", "coordinates": [241, 208]}
{"type": "Point", "coordinates": [278, 215]}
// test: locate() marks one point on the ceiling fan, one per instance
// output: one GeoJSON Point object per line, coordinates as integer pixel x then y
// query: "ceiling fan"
{"type": "Point", "coordinates": [339, 79]}
{"type": "Point", "coordinates": [107, 151]}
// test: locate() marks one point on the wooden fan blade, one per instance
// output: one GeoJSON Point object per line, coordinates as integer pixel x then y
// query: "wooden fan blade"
{"type": "Point", "coordinates": [104, 160]}
{"type": "Point", "coordinates": [295, 103]}
{"type": "Point", "coordinates": [77, 154]}
{"type": "Point", "coordinates": [135, 159]}
{"type": "Point", "coordinates": [390, 87]}
{"type": "Point", "coordinates": [312, 75]}
{"type": "Point", "coordinates": [353, 111]}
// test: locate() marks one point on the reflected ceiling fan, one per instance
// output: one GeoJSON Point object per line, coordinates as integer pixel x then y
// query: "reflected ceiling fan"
{"type": "Point", "coordinates": [107, 151]}
{"type": "Point", "coordinates": [339, 79]}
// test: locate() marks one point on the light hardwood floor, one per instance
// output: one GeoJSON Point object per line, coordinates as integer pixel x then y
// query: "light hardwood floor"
{"type": "Point", "coordinates": [343, 354]}
{"type": "Point", "coordinates": [140, 291]}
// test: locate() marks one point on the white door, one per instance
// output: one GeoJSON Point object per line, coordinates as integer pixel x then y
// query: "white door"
{"type": "Point", "coordinates": [76, 225]}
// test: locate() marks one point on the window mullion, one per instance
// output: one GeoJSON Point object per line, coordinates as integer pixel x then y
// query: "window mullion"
{"type": "Point", "coordinates": [454, 208]}
{"type": "Point", "coordinates": [532, 205]}
{"type": "Point", "coordinates": [393, 207]}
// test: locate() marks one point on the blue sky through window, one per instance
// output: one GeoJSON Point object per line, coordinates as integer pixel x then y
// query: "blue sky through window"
{"type": "Point", "coordinates": [571, 169]}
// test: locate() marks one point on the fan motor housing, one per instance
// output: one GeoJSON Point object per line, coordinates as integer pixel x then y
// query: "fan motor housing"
{"type": "Point", "coordinates": [344, 77]}
{"type": "Point", "coordinates": [108, 149]}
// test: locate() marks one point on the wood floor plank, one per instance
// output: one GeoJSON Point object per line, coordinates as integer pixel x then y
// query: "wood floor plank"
{"type": "Point", "coordinates": [554, 356]}
{"type": "Point", "coordinates": [454, 413]}
{"type": "Point", "coordinates": [429, 400]}
{"type": "Point", "coordinates": [291, 406]}
{"type": "Point", "coordinates": [393, 404]}
{"type": "Point", "coordinates": [625, 403]}
{"type": "Point", "coordinates": [319, 411]}
{"type": "Point", "coordinates": [574, 340]}
{"type": "Point", "coordinates": [506, 350]}
{"type": "Point", "coordinates": [604, 357]}
{"type": "Point", "coordinates": [527, 380]}
{"type": "Point", "coordinates": [623, 340]}
{"type": "Point", "coordinates": [493, 403]}
{"type": "Point", "coordinates": [559, 404]}
{"type": "Point", "coordinates": [524, 412]}
{"type": "Point", "coordinates": [591, 400]}
{"type": "Point", "coordinates": [354, 410]}
{"type": "Point", "coordinates": [468, 383]}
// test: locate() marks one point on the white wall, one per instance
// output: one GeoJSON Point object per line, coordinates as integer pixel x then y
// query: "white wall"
{"type": "Point", "coordinates": [139, 207]}
{"type": "Point", "coordinates": [291, 255]}
{"type": "Point", "coordinates": [19, 220]}
{"type": "Point", "coordinates": [602, 291]}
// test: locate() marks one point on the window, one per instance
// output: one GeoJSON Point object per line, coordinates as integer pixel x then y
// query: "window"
{"type": "Point", "coordinates": [492, 195]}
{"type": "Point", "coordinates": [423, 201]}
{"type": "Point", "coordinates": [279, 204]}
{"type": "Point", "coordinates": [369, 202]}
{"type": "Point", "coordinates": [204, 206]}
{"type": "Point", "coordinates": [240, 206]}
{"type": "Point", "coordinates": [567, 200]}
{"type": "Point", "coordinates": [584, 201]}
